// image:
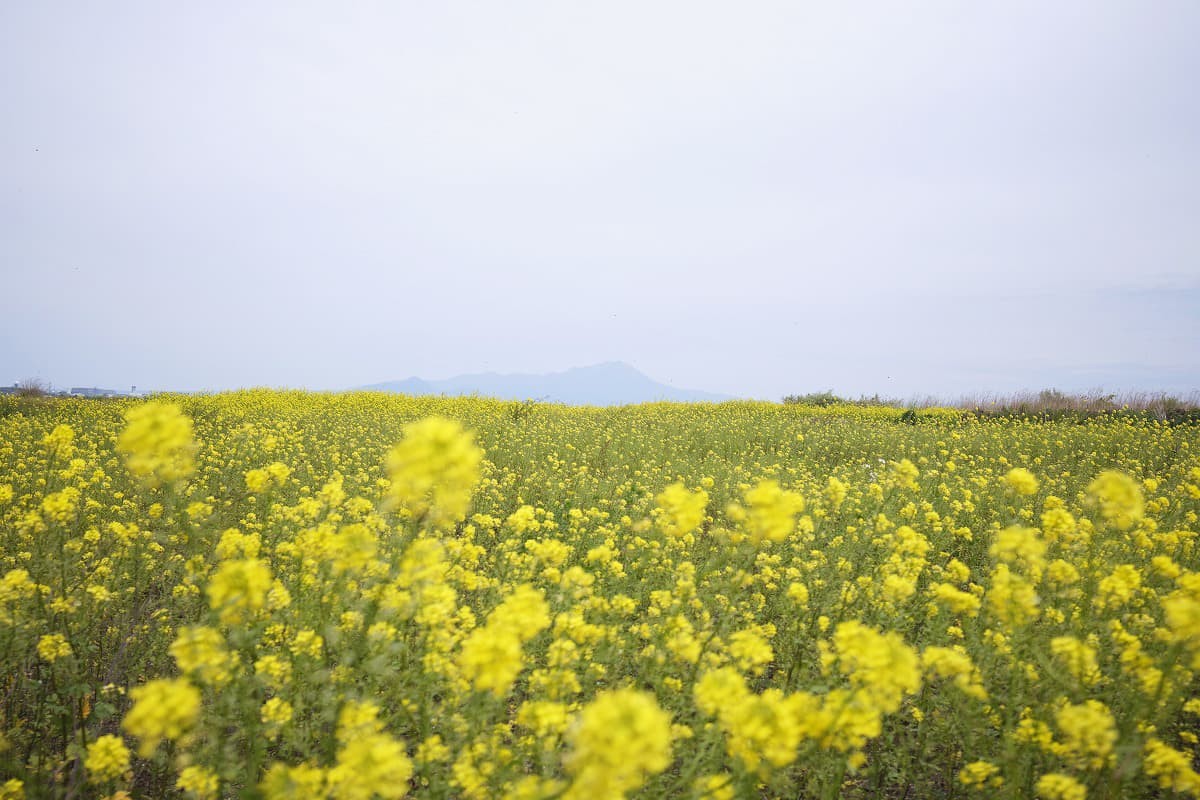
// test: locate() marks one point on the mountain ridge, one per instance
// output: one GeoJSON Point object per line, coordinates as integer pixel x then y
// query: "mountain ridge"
{"type": "Point", "coordinates": [605, 384]}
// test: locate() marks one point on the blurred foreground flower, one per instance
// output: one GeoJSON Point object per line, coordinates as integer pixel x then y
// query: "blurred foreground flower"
{"type": "Point", "coordinates": [434, 470]}
{"type": "Point", "coordinates": [157, 443]}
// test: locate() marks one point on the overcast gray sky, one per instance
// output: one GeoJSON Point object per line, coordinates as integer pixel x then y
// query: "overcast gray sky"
{"type": "Point", "coordinates": [750, 198]}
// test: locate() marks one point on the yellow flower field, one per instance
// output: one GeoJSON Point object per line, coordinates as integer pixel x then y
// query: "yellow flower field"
{"type": "Point", "coordinates": [281, 594]}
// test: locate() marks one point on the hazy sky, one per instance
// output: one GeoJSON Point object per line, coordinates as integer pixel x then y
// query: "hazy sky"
{"type": "Point", "coordinates": [750, 198]}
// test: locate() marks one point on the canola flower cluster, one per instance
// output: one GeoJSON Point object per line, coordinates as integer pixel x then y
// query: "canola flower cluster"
{"type": "Point", "coordinates": [356, 596]}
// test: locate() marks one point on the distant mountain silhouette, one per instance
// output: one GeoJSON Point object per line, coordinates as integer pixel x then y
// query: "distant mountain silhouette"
{"type": "Point", "coordinates": [608, 384]}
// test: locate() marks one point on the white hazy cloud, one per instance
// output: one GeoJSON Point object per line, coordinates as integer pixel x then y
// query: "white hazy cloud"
{"type": "Point", "coordinates": [757, 199]}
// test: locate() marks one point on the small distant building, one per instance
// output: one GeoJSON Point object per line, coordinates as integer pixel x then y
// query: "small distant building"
{"type": "Point", "coordinates": [14, 389]}
{"type": "Point", "coordinates": [92, 391]}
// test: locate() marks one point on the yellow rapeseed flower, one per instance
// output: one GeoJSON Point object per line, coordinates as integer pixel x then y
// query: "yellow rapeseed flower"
{"type": "Point", "coordinates": [276, 711]}
{"type": "Point", "coordinates": [157, 443]}
{"type": "Point", "coordinates": [1078, 657]}
{"type": "Point", "coordinates": [769, 514]}
{"type": "Point", "coordinates": [434, 470]}
{"type": "Point", "coordinates": [107, 759]}
{"type": "Point", "coordinates": [491, 658]}
{"type": "Point", "coordinates": [370, 766]}
{"type": "Point", "coordinates": [1170, 769]}
{"type": "Point", "coordinates": [238, 589]}
{"type": "Point", "coordinates": [284, 782]}
{"type": "Point", "coordinates": [1057, 786]}
{"type": "Point", "coordinates": [980, 775]}
{"type": "Point", "coordinates": [53, 646]}
{"type": "Point", "coordinates": [905, 474]}
{"type": "Point", "coordinates": [619, 739]}
{"type": "Point", "coordinates": [1021, 481]}
{"type": "Point", "coordinates": [199, 782]}
{"type": "Point", "coordinates": [200, 651]}
{"type": "Point", "coordinates": [879, 664]}
{"type": "Point", "coordinates": [1118, 497]}
{"type": "Point", "coordinates": [162, 709]}
{"type": "Point", "coordinates": [680, 511]}
{"type": "Point", "coordinates": [59, 443]}
{"type": "Point", "coordinates": [1089, 735]}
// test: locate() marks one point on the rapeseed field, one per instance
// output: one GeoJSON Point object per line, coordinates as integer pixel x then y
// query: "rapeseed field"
{"type": "Point", "coordinates": [280, 594]}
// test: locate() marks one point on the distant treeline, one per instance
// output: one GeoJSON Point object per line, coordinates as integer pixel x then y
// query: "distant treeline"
{"type": "Point", "coordinates": [1049, 404]}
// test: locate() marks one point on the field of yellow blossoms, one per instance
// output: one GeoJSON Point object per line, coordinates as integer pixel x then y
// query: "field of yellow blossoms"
{"type": "Point", "coordinates": [275, 595]}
